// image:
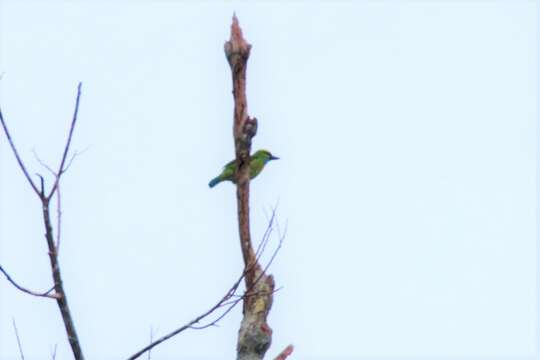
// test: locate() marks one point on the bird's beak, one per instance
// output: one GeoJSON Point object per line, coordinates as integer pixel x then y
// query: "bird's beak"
{"type": "Point", "coordinates": [272, 157]}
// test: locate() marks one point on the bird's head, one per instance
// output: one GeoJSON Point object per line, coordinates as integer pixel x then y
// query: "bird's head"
{"type": "Point", "coordinates": [264, 155]}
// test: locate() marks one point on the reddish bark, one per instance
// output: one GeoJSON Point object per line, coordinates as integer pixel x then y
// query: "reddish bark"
{"type": "Point", "coordinates": [255, 335]}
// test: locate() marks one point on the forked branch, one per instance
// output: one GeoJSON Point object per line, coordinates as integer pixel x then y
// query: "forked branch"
{"type": "Point", "coordinates": [62, 168]}
{"type": "Point", "coordinates": [59, 292]}
{"type": "Point", "coordinates": [226, 303]}
{"type": "Point", "coordinates": [16, 153]}
{"type": "Point", "coordinates": [46, 294]}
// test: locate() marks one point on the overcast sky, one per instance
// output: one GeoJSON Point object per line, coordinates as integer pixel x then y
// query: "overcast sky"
{"type": "Point", "coordinates": [407, 179]}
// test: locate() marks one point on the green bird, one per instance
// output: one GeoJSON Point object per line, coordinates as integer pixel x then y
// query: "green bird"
{"type": "Point", "coordinates": [256, 165]}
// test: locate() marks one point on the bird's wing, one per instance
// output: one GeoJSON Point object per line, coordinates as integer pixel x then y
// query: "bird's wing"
{"type": "Point", "coordinates": [229, 164]}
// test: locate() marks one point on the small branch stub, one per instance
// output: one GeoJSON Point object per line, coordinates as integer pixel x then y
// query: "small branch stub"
{"type": "Point", "coordinates": [285, 353]}
{"type": "Point", "coordinates": [237, 48]}
{"type": "Point", "coordinates": [249, 131]}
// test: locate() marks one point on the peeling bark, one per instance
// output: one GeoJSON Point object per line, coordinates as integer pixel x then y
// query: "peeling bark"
{"type": "Point", "coordinates": [255, 335]}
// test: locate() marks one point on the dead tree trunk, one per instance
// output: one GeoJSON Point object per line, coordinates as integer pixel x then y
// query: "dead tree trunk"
{"type": "Point", "coordinates": [255, 336]}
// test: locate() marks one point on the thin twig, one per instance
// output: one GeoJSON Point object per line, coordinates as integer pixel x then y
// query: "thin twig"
{"type": "Point", "coordinates": [275, 253]}
{"type": "Point", "coordinates": [215, 321]}
{"type": "Point", "coordinates": [225, 301]}
{"type": "Point", "coordinates": [248, 292]}
{"type": "Point", "coordinates": [182, 328]}
{"type": "Point", "coordinates": [18, 339]}
{"type": "Point", "coordinates": [16, 153]}
{"type": "Point", "coordinates": [68, 165]}
{"type": "Point", "coordinates": [75, 154]}
{"type": "Point", "coordinates": [266, 235]}
{"type": "Point", "coordinates": [151, 340]}
{"type": "Point", "coordinates": [53, 354]}
{"type": "Point", "coordinates": [262, 274]}
{"type": "Point", "coordinates": [42, 163]}
{"type": "Point", "coordinates": [190, 323]}
{"type": "Point", "coordinates": [68, 143]}
{"type": "Point", "coordinates": [58, 196]}
{"type": "Point", "coordinates": [46, 294]}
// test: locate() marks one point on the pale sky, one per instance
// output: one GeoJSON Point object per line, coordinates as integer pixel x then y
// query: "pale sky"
{"type": "Point", "coordinates": [407, 180]}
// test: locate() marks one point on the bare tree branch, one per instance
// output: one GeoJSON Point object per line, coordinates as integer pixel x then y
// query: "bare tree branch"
{"type": "Point", "coordinates": [53, 251]}
{"type": "Point", "coordinates": [59, 294]}
{"type": "Point", "coordinates": [66, 167]}
{"type": "Point", "coordinates": [267, 232]}
{"type": "Point", "coordinates": [75, 154]}
{"type": "Point", "coordinates": [16, 153]}
{"type": "Point", "coordinates": [186, 326]}
{"type": "Point", "coordinates": [228, 301]}
{"type": "Point", "coordinates": [18, 339]}
{"type": "Point", "coordinates": [58, 284]}
{"type": "Point", "coordinates": [58, 194]}
{"type": "Point", "coordinates": [61, 168]}
{"type": "Point", "coordinates": [46, 294]}
{"type": "Point", "coordinates": [42, 163]}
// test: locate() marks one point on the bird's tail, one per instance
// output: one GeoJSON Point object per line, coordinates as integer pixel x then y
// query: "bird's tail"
{"type": "Point", "coordinates": [214, 182]}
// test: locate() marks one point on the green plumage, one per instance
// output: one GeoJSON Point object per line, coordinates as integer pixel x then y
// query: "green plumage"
{"type": "Point", "coordinates": [256, 165]}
